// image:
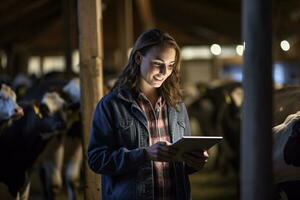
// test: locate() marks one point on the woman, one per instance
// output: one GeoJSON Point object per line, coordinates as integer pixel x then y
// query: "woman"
{"type": "Point", "coordinates": [135, 124]}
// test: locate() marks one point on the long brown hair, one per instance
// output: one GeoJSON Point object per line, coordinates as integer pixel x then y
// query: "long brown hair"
{"type": "Point", "coordinates": [130, 76]}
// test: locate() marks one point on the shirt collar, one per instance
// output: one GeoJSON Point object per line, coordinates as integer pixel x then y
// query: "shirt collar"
{"type": "Point", "coordinates": [142, 97]}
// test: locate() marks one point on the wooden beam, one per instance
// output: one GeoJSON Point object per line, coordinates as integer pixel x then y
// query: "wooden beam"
{"type": "Point", "coordinates": [91, 80]}
{"type": "Point", "coordinates": [198, 20]}
{"type": "Point", "coordinates": [23, 8]}
{"type": "Point", "coordinates": [67, 12]}
{"type": "Point", "coordinates": [145, 11]}
{"type": "Point", "coordinates": [30, 23]}
{"type": "Point", "coordinates": [6, 6]}
{"type": "Point", "coordinates": [187, 36]}
{"type": "Point", "coordinates": [125, 32]}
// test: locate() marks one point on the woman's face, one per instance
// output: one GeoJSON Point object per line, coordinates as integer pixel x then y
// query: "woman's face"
{"type": "Point", "coordinates": [156, 66]}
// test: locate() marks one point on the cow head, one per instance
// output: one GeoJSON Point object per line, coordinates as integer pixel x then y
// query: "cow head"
{"type": "Point", "coordinates": [9, 109]}
{"type": "Point", "coordinates": [71, 94]}
{"type": "Point", "coordinates": [291, 149]}
{"type": "Point", "coordinates": [72, 91]}
{"type": "Point", "coordinates": [50, 114]}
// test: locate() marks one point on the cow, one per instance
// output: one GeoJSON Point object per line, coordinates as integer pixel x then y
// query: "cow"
{"type": "Point", "coordinates": [218, 113]}
{"type": "Point", "coordinates": [51, 82]}
{"type": "Point", "coordinates": [23, 141]}
{"type": "Point", "coordinates": [286, 132]}
{"type": "Point", "coordinates": [21, 84]}
{"type": "Point", "coordinates": [9, 109]}
{"type": "Point", "coordinates": [53, 172]}
{"type": "Point", "coordinates": [286, 154]}
{"type": "Point", "coordinates": [286, 151]}
{"type": "Point", "coordinates": [286, 102]}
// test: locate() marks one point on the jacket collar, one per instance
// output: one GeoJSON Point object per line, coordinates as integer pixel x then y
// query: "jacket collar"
{"type": "Point", "coordinates": [125, 94]}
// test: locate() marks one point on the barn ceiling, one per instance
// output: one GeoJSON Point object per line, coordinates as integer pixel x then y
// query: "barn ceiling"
{"type": "Point", "coordinates": [38, 25]}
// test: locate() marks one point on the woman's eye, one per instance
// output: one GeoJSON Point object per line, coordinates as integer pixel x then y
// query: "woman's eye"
{"type": "Point", "coordinates": [157, 64]}
{"type": "Point", "coordinates": [171, 66]}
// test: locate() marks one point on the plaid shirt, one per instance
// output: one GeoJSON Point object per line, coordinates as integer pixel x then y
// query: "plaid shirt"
{"type": "Point", "coordinates": [158, 129]}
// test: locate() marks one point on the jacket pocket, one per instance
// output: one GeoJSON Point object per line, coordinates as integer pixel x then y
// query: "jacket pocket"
{"type": "Point", "coordinates": [127, 133]}
{"type": "Point", "coordinates": [180, 128]}
{"type": "Point", "coordinates": [181, 124]}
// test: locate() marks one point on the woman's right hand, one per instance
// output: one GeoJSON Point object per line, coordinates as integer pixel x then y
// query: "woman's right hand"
{"type": "Point", "coordinates": [161, 151]}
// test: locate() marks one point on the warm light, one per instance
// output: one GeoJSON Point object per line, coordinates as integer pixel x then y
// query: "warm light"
{"type": "Point", "coordinates": [239, 49]}
{"type": "Point", "coordinates": [215, 49]}
{"type": "Point", "coordinates": [34, 65]}
{"type": "Point", "coordinates": [75, 61]}
{"type": "Point", "coordinates": [285, 45]}
{"type": "Point", "coordinates": [196, 52]}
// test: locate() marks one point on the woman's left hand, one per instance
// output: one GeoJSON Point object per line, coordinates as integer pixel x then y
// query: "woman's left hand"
{"type": "Point", "coordinates": [196, 159]}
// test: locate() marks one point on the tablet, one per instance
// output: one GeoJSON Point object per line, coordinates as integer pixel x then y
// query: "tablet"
{"type": "Point", "coordinates": [194, 143]}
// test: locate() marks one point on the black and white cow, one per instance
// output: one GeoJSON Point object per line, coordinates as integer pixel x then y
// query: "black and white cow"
{"type": "Point", "coordinates": [9, 109]}
{"type": "Point", "coordinates": [24, 140]}
{"type": "Point", "coordinates": [21, 84]}
{"type": "Point", "coordinates": [286, 151]}
{"type": "Point", "coordinates": [286, 157]}
{"type": "Point", "coordinates": [286, 102]}
{"type": "Point", "coordinates": [218, 113]}
{"type": "Point", "coordinates": [65, 160]}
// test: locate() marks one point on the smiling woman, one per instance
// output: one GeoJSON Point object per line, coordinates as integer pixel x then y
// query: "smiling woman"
{"type": "Point", "coordinates": [135, 124]}
{"type": "Point", "coordinates": [156, 66]}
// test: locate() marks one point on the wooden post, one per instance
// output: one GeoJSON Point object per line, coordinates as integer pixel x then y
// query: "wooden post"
{"type": "Point", "coordinates": [91, 79]}
{"type": "Point", "coordinates": [67, 11]}
{"type": "Point", "coordinates": [145, 12]}
{"type": "Point", "coordinates": [256, 140]}
{"type": "Point", "coordinates": [125, 33]}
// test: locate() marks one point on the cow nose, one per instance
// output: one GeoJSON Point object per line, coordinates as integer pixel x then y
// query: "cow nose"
{"type": "Point", "coordinates": [18, 112]}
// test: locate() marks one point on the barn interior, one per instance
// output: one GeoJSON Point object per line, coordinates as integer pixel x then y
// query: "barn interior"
{"type": "Point", "coordinates": [41, 37]}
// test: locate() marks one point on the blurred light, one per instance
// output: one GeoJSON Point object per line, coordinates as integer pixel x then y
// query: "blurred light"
{"type": "Point", "coordinates": [227, 52]}
{"type": "Point", "coordinates": [34, 65]}
{"type": "Point", "coordinates": [53, 63]}
{"type": "Point", "coordinates": [239, 50]}
{"type": "Point", "coordinates": [197, 52]}
{"type": "Point", "coordinates": [215, 49]}
{"type": "Point", "coordinates": [75, 61]}
{"type": "Point", "coordinates": [285, 45]}
{"type": "Point", "coordinates": [278, 73]}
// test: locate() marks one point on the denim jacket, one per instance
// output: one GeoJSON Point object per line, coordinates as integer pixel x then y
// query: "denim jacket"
{"type": "Point", "coordinates": [119, 136]}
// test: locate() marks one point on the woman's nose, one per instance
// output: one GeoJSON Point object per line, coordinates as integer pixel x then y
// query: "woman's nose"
{"type": "Point", "coordinates": [162, 69]}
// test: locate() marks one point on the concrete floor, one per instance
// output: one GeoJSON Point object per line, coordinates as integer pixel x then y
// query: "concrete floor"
{"type": "Point", "coordinates": [211, 185]}
{"type": "Point", "coordinates": [206, 185]}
